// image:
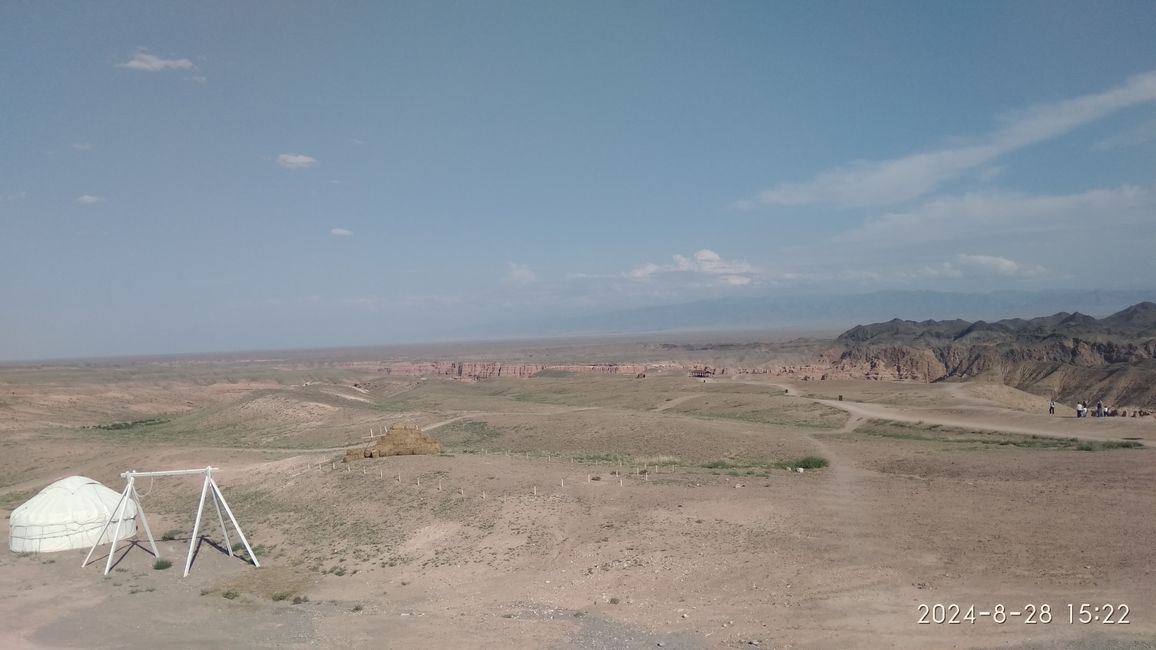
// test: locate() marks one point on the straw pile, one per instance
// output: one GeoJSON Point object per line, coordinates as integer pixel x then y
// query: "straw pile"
{"type": "Point", "coordinates": [399, 440]}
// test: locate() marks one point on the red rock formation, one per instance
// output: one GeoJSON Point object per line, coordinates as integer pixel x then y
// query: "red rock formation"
{"type": "Point", "coordinates": [475, 371]}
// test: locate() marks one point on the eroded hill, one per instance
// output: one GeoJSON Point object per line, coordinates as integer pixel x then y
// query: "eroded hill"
{"type": "Point", "coordinates": [1069, 356]}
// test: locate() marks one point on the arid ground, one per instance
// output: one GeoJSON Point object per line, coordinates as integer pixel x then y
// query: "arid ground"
{"type": "Point", "coordinates": [574, 510]}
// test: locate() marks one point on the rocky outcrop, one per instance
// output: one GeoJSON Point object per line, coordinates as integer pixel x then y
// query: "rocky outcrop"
{"type": "Point", "coordinates": [1069, 356]}
{"type": "Point", "coordinates": [475, 371]}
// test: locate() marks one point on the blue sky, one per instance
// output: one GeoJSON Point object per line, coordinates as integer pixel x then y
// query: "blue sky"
{"type": "Point", "coordinates": [220, 176]}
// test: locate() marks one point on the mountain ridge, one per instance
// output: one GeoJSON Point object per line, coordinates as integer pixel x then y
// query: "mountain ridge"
{"type": "Point", "coordinates": [1068, 356]}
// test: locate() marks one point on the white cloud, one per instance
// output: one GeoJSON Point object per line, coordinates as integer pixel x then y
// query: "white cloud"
{"type": "Point", "coordinates": [966, 265]}
{"type": "Point", "coordinates": [82, 146]}
{"type": "Point", "coordinates": [296, 161]}
{"type": "Point", "coordinates": [199, 78]}
{"type": "Point", "coordinates": [1137, 135]}
{"type": "Point", "coordinates": [1004, 217]}
{"type": "Point", "coordinates": [89, 199]}
{"type": "Point", "coordinates": [146, 62]}
{"type": "Point", "coordinates": [704, 263]}
{"type": "Point", "coordinates": [356, 141]}
{"type": "Point", "coordinates": [340, 232]}
{"type": "Point", "coordinates": [520, 274]}
{"type": "Point", "coordinates": [15, 196]}
{"type": "Point", "coordinates": [735, 280]}
{"type": "Point", "coordinates": [941, 271]}
{"type": "Point", "coordinates": [993, 263]}
{"type": "Point", "coordinates": [889, 182]}
{"type": "Point", "coordinates": [990, 173]}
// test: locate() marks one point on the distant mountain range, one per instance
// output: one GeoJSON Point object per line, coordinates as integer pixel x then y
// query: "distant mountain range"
{"type": "Point", "coordinates": [1135, 322]}
{"type": "Point", "coordinates": [1066, 355]}
{"type": "Point", "coordinates": [830, 311]}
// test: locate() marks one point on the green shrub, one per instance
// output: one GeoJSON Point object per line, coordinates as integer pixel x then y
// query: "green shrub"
{"type": "Point", "coordinates": [162, 564]}
{"type": "Point", "coordinates": [811, 462]}
{"type": "Point", "coordinates": [170, 535]}
{"type": "Point", "coordinates": [230, 594]}
{"type": "Point", "coordinates": [280, 595]}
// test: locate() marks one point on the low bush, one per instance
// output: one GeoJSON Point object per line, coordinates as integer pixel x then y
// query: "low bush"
{"type": "Point", "coordinates": [811, 462]}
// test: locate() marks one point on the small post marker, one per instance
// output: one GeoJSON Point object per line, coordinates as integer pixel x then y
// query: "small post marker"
{"type": "Point", "coordinates": [333, 466]}
{"type": "Point", "coordinates": [619, 481]}
{"type": "Point", "coordinates": [535, 490]}
{"type": "Point", "coordinates": [462, 491]}
{"type": "Point", "coordinates": [419, 481]}
{"type": "Point", "coordinates": [587, 478]}
{"type": "Point", "coordinates": [381, 473]}
{"type": "Point", "coordinates": [563, 481]}
{"type": "Point", "coordinates": [347, 469]}
{"type": "Point", "coordinates": [483, 495]}
{"type": "Point", "coordinates": [439, 485]}
{"type": "Point", "coordinates": [399, 479]}
{"type": "Point", "coordinates": [363, 471]}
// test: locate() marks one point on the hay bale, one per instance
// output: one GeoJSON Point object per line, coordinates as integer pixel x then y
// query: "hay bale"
{"type": "Point", "coordinates": [402, 440]}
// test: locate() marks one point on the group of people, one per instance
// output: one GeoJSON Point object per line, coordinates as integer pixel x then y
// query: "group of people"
{"type": "Point", "coordinates": [1083, 407]}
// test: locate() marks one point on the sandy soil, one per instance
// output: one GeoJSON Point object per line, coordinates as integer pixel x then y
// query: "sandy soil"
{"type": "Point", "coordinates": [507, 540]}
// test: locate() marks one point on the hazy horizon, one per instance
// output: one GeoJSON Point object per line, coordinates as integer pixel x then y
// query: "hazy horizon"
{"type": "Point", "coordinates": [221, 177]}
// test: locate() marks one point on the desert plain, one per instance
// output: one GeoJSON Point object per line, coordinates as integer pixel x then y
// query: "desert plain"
{"type": "Point", "coordinates": [576, 507]}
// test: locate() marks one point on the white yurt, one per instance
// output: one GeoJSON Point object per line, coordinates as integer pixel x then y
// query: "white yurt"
{"type": "Point", "coordinates": [68, 514]}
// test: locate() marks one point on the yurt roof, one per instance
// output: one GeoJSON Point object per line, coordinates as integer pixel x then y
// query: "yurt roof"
{"type": "Point", "coordinates": [75, 499]}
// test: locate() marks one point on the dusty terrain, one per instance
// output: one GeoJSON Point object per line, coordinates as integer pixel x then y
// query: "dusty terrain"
{"type": "Point", "coordinates": [581, 510]}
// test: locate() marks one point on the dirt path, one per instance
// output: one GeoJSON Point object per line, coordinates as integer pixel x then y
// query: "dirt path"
{"type": "Point", "coordinates": [996, 423]}
{"type": "Point", "coordinates": [675, 402]}
{"type": "Point", "coordinates": [988, 416]}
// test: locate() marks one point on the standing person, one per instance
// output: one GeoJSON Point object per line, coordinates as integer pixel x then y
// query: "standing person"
{"type": "Point", "coordinates": [1099, 408]}
{"type": "Point", "coordinates": [1079, 409]}
{"type": "Point", "coordinates": [1051, 407]}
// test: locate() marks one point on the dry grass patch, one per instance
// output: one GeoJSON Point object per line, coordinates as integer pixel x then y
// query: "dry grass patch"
{"type": "Point", "coordinates": [276, 583]}
{"type": "Point", "coordinates": [980, 438]}
{"type": "Point", "coordinates": [763, 409]}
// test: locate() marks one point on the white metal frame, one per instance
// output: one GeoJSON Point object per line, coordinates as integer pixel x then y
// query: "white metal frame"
{"type": "Point", "coordinates": [130, 493]}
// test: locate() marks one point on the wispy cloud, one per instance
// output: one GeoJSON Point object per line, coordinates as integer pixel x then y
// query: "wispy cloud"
{"type": "Point", "coordinates": [520, 274]}
{"type": "Point", "coordinates": [990, 263]}
{"type": "Point", "coordinates": [1003, 217]}
{"type": "Point", "coordinates": [82, 146]}
{"type": "Point", "coordinates": [1137, 135]}
{"type": "Point", "coordinates": [703, 263]}
{"type": "Point", "coordinates": [340, 232]}
{"type": "Point", "coordinates": [145, 61]}
{"type": "Point", "coordinates": [14, 196]}
{"type": "Point", "coordinates": [890, 182]}
{"type": "Point", "coordinates": [89, 199]}
{"type": "Point", "coordinates": [296, 161]}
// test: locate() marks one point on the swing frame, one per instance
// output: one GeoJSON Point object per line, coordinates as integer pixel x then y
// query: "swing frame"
{"type": "Point", "coordinates": [130, 494]}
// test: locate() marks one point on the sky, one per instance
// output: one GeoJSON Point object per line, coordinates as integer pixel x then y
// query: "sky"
{"type": "Point", "coordinates": [214, 176]}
